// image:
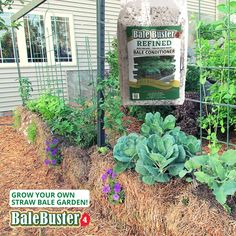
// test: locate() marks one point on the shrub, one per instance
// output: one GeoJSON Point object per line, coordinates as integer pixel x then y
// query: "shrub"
{"type": "Point", "coordinates": [32, 132]}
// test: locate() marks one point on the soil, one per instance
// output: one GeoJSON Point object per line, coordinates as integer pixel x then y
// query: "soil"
{"type": "Point", "coordinates": [21, 168]}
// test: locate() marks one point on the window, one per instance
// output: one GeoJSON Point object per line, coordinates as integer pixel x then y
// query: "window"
{"type": "Point", "coordinates": [7, 54]}
{"type": "Point", "coordinates": [35, 38]}
{"type": "Point", "coordinates": [61, 39]}
{"type": "Point", "coordinates": [44, 38]}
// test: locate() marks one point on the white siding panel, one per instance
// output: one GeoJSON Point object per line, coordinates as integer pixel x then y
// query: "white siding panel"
{"type": "Point", "coordinates": [206, 6]}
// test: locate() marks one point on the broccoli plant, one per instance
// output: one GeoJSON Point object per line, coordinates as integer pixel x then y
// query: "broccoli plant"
{"type": "Point", "coordinates": [218, 172]}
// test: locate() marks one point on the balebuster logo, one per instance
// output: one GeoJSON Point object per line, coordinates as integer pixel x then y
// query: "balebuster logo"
{"type": "Point", "coordinates": [45, 218]}
{"type": "Point", "coordinates": [49, 198]}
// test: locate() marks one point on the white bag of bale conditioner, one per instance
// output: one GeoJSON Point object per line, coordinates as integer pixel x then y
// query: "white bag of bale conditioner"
{"type": "Point", "coordinates": [152, 43]}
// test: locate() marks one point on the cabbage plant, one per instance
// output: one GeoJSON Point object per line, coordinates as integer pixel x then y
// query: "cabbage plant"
{"type": "Point", "coordinates": [160, 158]}
{"type": "Point", "coordinates": [158, 153]}
{"type": "Point", "coordinates": [125, 152]}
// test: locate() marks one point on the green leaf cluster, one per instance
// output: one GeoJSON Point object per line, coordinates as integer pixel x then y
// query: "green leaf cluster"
{"type": "Point", "coordinates": [218, 172]}
{"type": "Point", "coordinates": [16, 119]}
{"type": "Point", "coordinates": [32, 132]}
{"type": "Point", "coordinates": [125, 152]}
{"type": "Point", "coordinates": [110, 86]}
{"type": "Point", "coordinates": [216, 55]}
{"type": "Point", "coordinates": [159, 153]}
{"type": "Point", "coordinates": [77, 125]}
{"type": "Point", "coordinates": [7, 5]}
{"type": "Point", "coordinates": [25, 89]}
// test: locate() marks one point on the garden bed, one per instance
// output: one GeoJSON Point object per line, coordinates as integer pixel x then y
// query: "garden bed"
{"type": "Point", "coordinates": [175, 208]}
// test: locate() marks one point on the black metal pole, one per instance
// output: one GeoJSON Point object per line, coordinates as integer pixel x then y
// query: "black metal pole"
{"type": "Point", "coordinates": [100, 69]}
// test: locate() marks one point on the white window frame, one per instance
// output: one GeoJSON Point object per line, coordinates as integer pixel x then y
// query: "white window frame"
{"type": "Point", "coordinates": [22, 49]}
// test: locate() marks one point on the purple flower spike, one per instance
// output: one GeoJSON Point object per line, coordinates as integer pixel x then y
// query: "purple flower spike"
{"type": "Point", "coordinates": [106, 189]}
{"type": "Point", "coordinates": [54, 152]}
{"type": "Point", "coordinates": [114, 175]}
{"type": "Point", "coordinates": [48, 149]}
{"type": "Point", "coordinates": [47, 143]}
{"type": "Point", "coordinates": [117, 187]}
{"type": "Point", "coordinates": [109, 171]}
{"type": "Point", "coordinates": [54, 162]}
{"type": "Point", "coordinates": [116, 197]}
{"type": "Point", "coordinates": [104, 177]}
{"type": "Point", "coordinates": [55, 141]}
{"type": "Point", "coordinates": [47, 162]}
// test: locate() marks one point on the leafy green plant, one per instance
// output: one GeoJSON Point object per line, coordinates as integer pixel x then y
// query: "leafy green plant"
{"type": "Point", "coordinates": [85, 125]}
{"type": "Point", "coordinates": [16, 119]}
{"type": "Point", "coordinates": [111, 89]}
{"type": "Point", "coordinates": [25, 89]}
{"type": "Point", "coordinates": [7, 5]}
{"type": "Point", "coordinates": [159, 153]}
{"type": "Point", "coordinates": [48, 106]}
{"type": "Point", "coordinates": [217, 49]}
{"type": "Point", "coordinates": [192, 79]}
{"type": "Point", "coordinates": [32, 132]}
{"type": "Point", "coordinates": [77, 125]}
{"type": "Point", "coordinates": [155, 124]}
{"type": "Point", "coordinates": [218, 172]}
{"type": "Point", "coordinates": [160, 158]}
{"type": "Point", "coordinates": [103, 150]}
{"type": "Point", "coordinates": [125, 152]}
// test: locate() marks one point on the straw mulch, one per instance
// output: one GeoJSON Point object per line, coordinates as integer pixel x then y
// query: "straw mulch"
{"type": "Point", "coordinates": [21, 167]}
{"type": "Point", "coordinates": [175, 208]}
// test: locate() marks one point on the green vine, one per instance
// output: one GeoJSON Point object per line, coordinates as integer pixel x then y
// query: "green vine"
{"type": "Point", "coordinates": [216, 54]}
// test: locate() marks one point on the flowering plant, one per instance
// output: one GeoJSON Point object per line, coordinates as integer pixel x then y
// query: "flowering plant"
{"type": "Point", "coordinates": [53, 152]}
{"type": "Point", "coordinates": [112, 188]}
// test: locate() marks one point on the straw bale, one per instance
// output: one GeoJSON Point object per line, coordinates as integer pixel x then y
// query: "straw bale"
{"type": "Point", "coordinates": [160, 209]}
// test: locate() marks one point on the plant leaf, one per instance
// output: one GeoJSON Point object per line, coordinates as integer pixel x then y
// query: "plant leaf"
{"type": "Point", "coordinates": [120, 167]}
{"type": "Point", "coordinates": [229, 157]}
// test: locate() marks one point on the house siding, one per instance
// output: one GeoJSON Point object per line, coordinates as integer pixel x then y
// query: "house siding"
{"type": "Point", "coordinates": [207, 7]}
{"type": "Point", "coordinates": [84, 17]}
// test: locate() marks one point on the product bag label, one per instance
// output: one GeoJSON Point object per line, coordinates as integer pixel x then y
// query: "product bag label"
{"type": "Point", "coordinates": [154, 62]}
